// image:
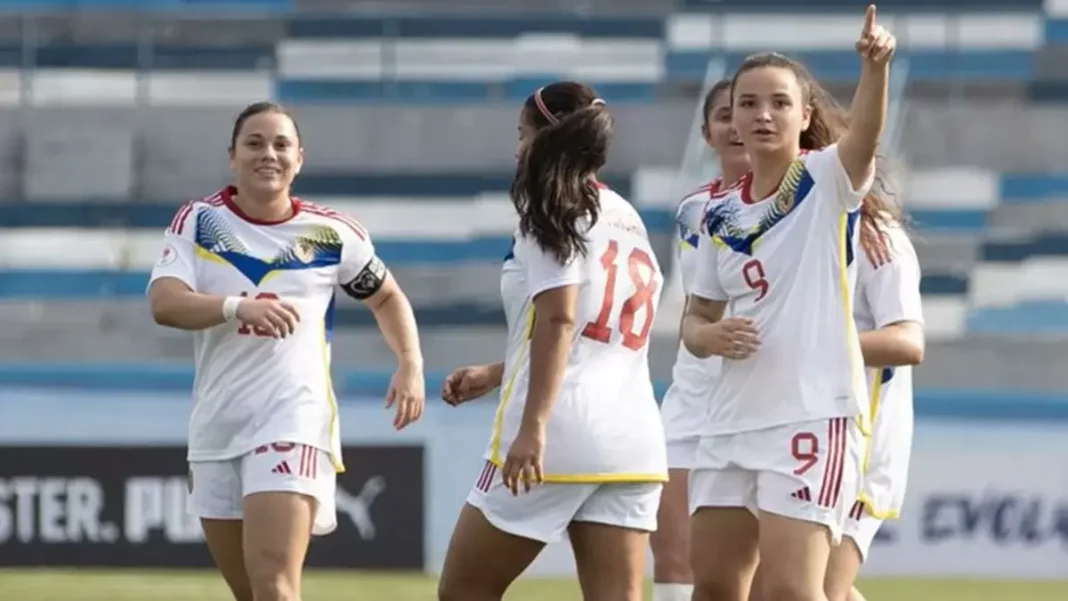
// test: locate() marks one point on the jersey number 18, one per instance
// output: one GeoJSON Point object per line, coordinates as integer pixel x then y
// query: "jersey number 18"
{"type": "Point", "coordinates": [645, 286]}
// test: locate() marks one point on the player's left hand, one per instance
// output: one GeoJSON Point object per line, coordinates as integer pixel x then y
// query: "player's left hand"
{"type": "Point", "coordinates": [407, 391]}
{"type": "Point", "coordinates": [523, 464]}
{"type": "Point", "coordinates": [874, 242]}
{"type": "Point", "coordinates": [876, 45]}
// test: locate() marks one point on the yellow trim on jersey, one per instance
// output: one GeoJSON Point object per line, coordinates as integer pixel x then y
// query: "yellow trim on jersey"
{"type": "Point", "coordinates": [506, 390]}
{"type": "Point", "coordinates": [207, 255]}
{"type": "Point", "coordinates": [873, 408]}
{"type": "Point", "coordinates": [847, 314]}
{"type": "Point", "coordinates": [339, 467]}
{"type": "Point", "coordinates": [869, 506]}
{"type": "Point", "coordinates": [498, 423]}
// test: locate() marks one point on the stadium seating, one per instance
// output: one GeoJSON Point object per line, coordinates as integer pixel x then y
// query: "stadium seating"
{"type": "Point", "coordinates": [114, 112]}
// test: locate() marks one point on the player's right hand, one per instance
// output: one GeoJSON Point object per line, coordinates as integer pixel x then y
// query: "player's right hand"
{"type": "Point", "coordinates": [268, 316]}
{"type": "Point", "coordinates": [876, 45]}
{"type": "Point", "coordinates": [468, 383]}
{"type": "Point", "coordinates": [874, 241]}
{"type": "Point", "coordinates": [523, 465]}
{"type": "Point", "coordinates": [734, 338]}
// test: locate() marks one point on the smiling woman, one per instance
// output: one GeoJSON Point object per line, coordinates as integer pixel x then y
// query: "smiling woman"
{"type": "Point", "coordinates": [266, 155]}
{"type": "Point", "coordinates": [252, 271]}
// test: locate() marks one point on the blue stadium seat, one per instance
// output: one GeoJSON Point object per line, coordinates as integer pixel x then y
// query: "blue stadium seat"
{"type": "Point", "coordinates": [841, 65]}
{"type": "Point", "coordinates": [1046, 317]}
{"type": "Point", "coordinates": [146, 5]}
{"type": "Point", "coordinates": [344, 27]}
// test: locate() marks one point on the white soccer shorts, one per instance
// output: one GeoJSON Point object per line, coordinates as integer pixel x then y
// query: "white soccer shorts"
{"type": "Point", "coordinates": [682, 453]}
{"type": "Point", "coordinates": [809, 471]}
{"type": "Point", "coordinates": [862, 527]}
{"type": "Point", "coordinates": [544, 513]}
{"type": "Point", "coordinates": [683, 416]}
{"type": "Point", "coordinates": [217, 488]}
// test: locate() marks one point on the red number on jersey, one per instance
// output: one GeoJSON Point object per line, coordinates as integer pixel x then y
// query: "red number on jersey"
{"type": "Point", "coordinates": [247, 330]}
{"type": "Point", "coordinates": [753, 274]}
{"type": "Point", "coordinates": [805, 448]}
{"type": "Point", "coordinates": [645, 292]}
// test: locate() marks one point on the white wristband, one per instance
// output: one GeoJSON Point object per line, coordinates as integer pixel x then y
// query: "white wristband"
{"type": "Point", "coordinates": [229, 308]}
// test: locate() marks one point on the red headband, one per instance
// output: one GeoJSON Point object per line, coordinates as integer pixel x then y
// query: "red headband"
{"type": "Point", "coordinates": [545, 112]}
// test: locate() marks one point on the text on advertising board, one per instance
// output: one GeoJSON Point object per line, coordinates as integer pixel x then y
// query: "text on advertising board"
{"type": "Point", "coordinates": [114, 506]}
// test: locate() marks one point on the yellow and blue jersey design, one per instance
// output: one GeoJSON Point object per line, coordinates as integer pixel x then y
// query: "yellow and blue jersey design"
{"type": "Point", "coordinates": [688, 223]}
{"type": "Point", "coordinates": [315, 246]}
{"type": "Point", "coordinates": [723, 221]}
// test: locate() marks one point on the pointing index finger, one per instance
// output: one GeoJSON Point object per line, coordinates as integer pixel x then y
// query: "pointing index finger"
{"type": "Point", "coordinates": [869, 20]}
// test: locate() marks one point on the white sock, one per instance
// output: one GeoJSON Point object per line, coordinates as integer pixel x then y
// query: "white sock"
{"type": "Point", "coordinates": [668, 591]}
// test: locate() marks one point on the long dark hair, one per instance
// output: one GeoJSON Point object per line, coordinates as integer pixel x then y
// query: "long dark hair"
{"type": "Point", "coordinates": [555, 185]}
{"type": "Point", "coordinates": [827, 122]}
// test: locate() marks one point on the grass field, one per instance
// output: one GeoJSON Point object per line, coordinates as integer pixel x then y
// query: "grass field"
{"type": "Point", "coordinates": [144, 585]}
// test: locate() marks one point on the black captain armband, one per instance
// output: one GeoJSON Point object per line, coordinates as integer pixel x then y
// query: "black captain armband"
{"type": "Point", "coordinates": [368, 281]}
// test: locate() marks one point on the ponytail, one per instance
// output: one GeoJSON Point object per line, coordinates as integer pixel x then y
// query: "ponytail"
{"type": "Point", "coordinates": [555, 190]}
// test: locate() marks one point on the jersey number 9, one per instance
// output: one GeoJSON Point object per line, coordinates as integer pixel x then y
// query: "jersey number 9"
{"type": "Point", "coordinates": [645, 291]}
{"type": "Point", "coordinates": [755, 278]}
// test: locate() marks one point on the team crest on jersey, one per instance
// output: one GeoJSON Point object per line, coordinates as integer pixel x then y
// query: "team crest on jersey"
{"type": "Point", "coordinates": [317, 246]}
{"type": "Point", "coordinates": [723, 221]}
{"type": "Point", "coordinates": [305, 253]}
{"type": "Point", "coordinates": [318, 241]}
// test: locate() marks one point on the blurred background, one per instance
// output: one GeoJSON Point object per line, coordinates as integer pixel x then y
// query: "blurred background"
{"type": "Point", "coordinates": [115, 112]}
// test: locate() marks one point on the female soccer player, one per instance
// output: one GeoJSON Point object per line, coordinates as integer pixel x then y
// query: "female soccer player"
{"type": "Point", "coordinates": [251, 271]}
{"type": "Point", "coordinates": [577, 448]}
{"type": "Point", "coordinates": [780, 455]}
{"type": "Point", "coordinates": [889, 316]}
{"type": "Point", "coordinates": [686, 402]}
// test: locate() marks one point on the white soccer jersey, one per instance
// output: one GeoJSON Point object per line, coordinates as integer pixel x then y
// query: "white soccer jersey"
{"type": "Point", "coordinates": [605, 424]}
{"type": "Point", "coordinates": [252, 389]}
{"type": "Point", "coordinates": [888, 294]}
{"type": "Point", "coordinates": [685, 405]}
{"type": "Point", "coordinates": [787, 263]}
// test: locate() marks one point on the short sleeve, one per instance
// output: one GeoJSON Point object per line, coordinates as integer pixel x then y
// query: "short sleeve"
{"type": "Point", "coordinates": [360, 273]}
{"type": "Point", "coordinates": [893, 289]}
{"type": "Point", "coordinates": [825, 167]}
{"type": "Point", "coordinates": [177, 258]}
{"type": "Point", "coordinates": [543, 271]}
{"type": "Point", "coordinates": [688, 227]}
{"type": "Point", "coordinates": [706, 282]}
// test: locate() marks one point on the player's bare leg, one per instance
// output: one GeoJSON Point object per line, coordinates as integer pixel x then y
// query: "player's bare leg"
{"type": "Point", "coordinates": [723, 553]}
{"type": "Point", "coordinates": [793, 558]}
{"type": "Point", "coordinates": [842, 568]}
{"type": "Point", "coordinates": [610, 560]}
{"type": "Point", "coordinates": [482, 561]}
{"type": "Point", "coordinates": [224, 538]}
{"type": "Point", "coordinates": [672, 578]}
{"type": "Point", "coordinates": [852, 593]}
{"type": "Point", "coordinates": [277, 531]}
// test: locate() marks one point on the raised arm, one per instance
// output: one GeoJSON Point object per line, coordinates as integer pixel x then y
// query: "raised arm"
{"type": "Point", "coordinates": [857, 147]}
